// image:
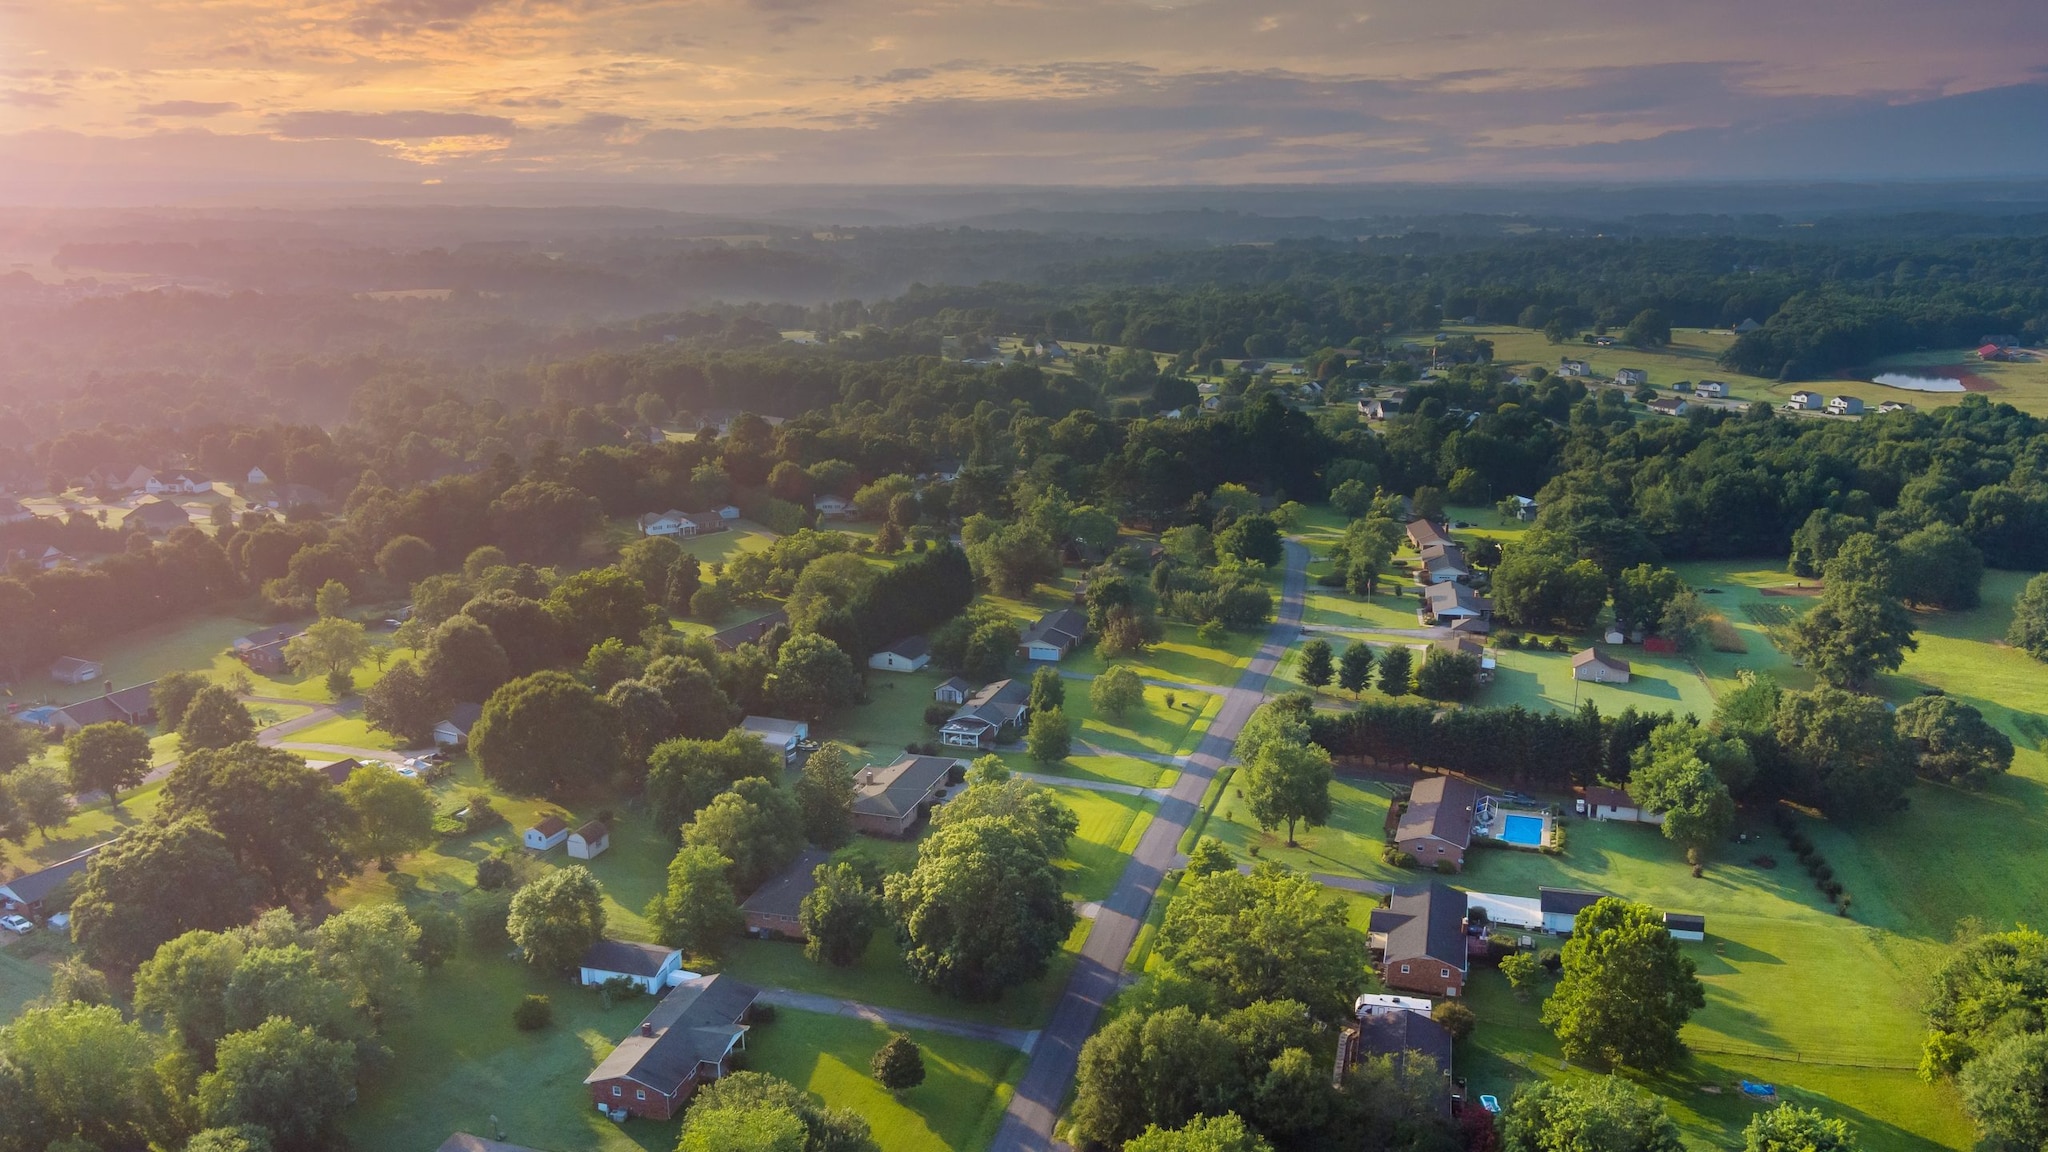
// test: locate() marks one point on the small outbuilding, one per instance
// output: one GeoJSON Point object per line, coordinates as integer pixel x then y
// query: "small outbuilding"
{"type": "Point", "coordinates": [909, 654]}
{"type": "Point", "coordinates": [590, 841]}
{"type": "Point", "coordinates": [72, 670]}
{"type": "Point", "coordinates": [1596, 667]}
{"type": "Point", "coordinates": [1561, 907]}
{"type": "Point", "coordinates": [782, 736]}
{"type": "Point", "coordinates": [454, 731]}
{"type": "Point", "coordinates": [547, 834]}
{"type": "Point", "coordinates": [953, 691]}
{"type": "Point", "coordinates": [647, 965]}
{"type": "Point", "coordinates": [1685, 926]}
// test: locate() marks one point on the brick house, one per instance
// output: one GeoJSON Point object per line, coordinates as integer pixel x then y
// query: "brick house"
{"type": "Point", "coordinates": [1437, 825]}
{"type": "Point", "coordinates": [1421, 940]}
{"type": "Point", "coordinates": [890, 801]}
{"type": "Point", "coordinates": [690, 1038]}
{"type": "Point", "coordinates": [772, 911]}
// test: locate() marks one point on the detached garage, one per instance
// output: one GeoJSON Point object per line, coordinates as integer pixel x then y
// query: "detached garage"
{"type": "Point", "coordinates": [1685, 926]}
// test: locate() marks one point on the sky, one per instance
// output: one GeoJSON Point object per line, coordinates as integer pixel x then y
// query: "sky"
{"type": "Point", "coordinates": [1110, 92]}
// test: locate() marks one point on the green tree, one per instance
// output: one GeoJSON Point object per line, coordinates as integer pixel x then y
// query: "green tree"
{"type": "Point", "coordinates": [1253, 538]}
{"type": "Point", "coordinates": [1029, 807]}
{"type": "Point", "coordinates": [1225, 1133]}
{"type": "Point", "coordinates": [813, 677]}
{"type": "Point", "coordinates": [405, 559]}
{"type": "Point", "coordinates": [1535, 589]}
{"type": "Point", "coordinates": [1048, 691]}
{"type": "Point", "coordinates": [1220, 932]}
{"type": "Point", "coordinates": [1523, 971]}
{"type": "Point", "coordinates": [1625, 990]}
{"type": "Point", "coordinates": [393, 815]}
{"type": "Point", "coordinates": [331, 600]}
{"type": "Point", "coordinates": [107, 757]}
{"type": "Point", "coordinates": [1317, 667]}
{"type": "Point", "coordinates": [1396, 667]}
{"type": "Point", "coordinates": [643, 719]}
{"type": "Point", "coordinates": [1847, 748]}
{"type": "Point", "coordinates": [1643, 593]}
{"type": "Point", "coordinates": [898, 1065]}
{"type": "Point", "coordinates": [839, 916]}
{"type": "Point", "coordinates": [1688, 792]}
{"type": "Point", "coordinates": [825, 1129]}
{"type": "Point", "coordinates": [701, 709]}
{"type": "Point", "coordinates": [1446, 675]}
{"type": "Point", "coordinates": [184, 986]}
{"type": "Point", "coordinates": [239, 1138]}
{"type": "Point", "coordinates": [1354, 670]}
{"type": "Point", "coordinates": [403, 702]}
{"type": "Point", "coordinates": [1210, 855]}
{"type": "Point", "coordinates": [1940, 567]}
{"type": "Point", "coordinates": [557, 918]}
{"type": "Point", "coordinates": [684, 775]}
{"type": "Point", "coordinates": [329, 645]}
{"type": "Point", "coordinates": [649, 560]}
{"type": "Point", "coordinates": [754, 824]}
{"type": "Point", "coordinates": [758, 1129]}
{"type": "Point", "coordinates": [1650, 329]}
{"type": "Point", "coordinates": [40, 795]}
{"type": "Point", "coordinates": [2005, 1091]}
{"type": "Point", "coordinates": [1048, 739]}
{"type": "Point", "coordinates": [1011, 558]}
{"type": "Point", "coordinates": [2029, 630]}
{"type": "Point", "coordinates": [599, 604]}
{"type": "Point", "coordinates": [173, 694]}
{"type": "Point", "coordinates": [464, 662]}
{"type": "Point", "coordinates": [982, 911]}
{"type": "Point", "coordinates": [1953, 742]}
{"type": "Point", "coordinates": [697, 911]}
{"type": "Point", "coordinates": [1789, 1128]}
{"type": "Point", "coordinates": [1686, 620]}
{"type": "Point", "coordinates": [1288, 784]}
{"type": "Point", "coordinates": [284, 1078]}
{"type": "Point", "coordinates": [78, 1076]}
{"type": "Point", "coordinates": [1589, 1114]}
{"type": "Point", "coordinates": [546, 733]}
{"type": "Point", "coordinates": [1116, 691]}
{"type": "Point", "coordinates": [1858, 628]}
{"type": "Point", "coordinates": [824, 797]}
{"type": "Point", "coordinates": [215, 719]}
{"type": "Point", "coordinates": [284, 821]}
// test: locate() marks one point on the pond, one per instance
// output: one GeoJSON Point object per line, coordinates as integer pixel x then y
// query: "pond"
{"type": "Point", "coordinates": [1918, 383]}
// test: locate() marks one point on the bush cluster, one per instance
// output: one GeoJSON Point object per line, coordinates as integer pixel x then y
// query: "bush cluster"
{"type": "Point", "coordinates": [1823, 874]}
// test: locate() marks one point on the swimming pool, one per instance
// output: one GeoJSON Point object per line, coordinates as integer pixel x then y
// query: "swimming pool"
{"type": "Point", "coordinates": [1524, 830]}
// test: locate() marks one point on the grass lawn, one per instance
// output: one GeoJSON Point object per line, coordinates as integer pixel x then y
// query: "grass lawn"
{"type": "Point", "coordinates": [88, 826]}
{"type": "Point", "coordinates": [352, 731]}
{"type": "Point", "coordinates": [967, 1082]}
{"type": "Point", "coordinates": [1691, 355]}
{"type": "Point", "coordinates": [1110, 828]}
{"type": "Point", "coordinates": [1542, 681]}
{"type": "Point", "coordinates": [2022, 385]}
{"type": "Point", "coordinates": [1348, 846]}
{"type": "Point", "coordinates": [21, 980]}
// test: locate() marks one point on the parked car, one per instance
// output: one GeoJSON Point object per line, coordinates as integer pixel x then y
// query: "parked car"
{"type": "Point", "coordinates": [19, 925]}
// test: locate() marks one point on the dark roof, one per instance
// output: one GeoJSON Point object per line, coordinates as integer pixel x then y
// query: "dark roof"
{"type": "Point", "coordinates": [1685, 922]}
{"type": "Point", "coordinates": [1430, 923]}
{"type": "Point", "coordinates": [996, 704]}
{"type": "Point", "coordinates": [35, 887]}
{"type": "Point", "coordinates": [901, 787]}
{"type": "Point", "coordinates": [549, 825]}
{"type": "Point", "coordinates": [1061, 627]}
{"type": "Point", "coordinates": [694, 1024]}
{"type": "Point", "coordinates": [965, 687]}
{"type": "Point", "coordinates": [128, 704]}
{"type": "Point", "coordinates": [1398, 1033]}
{"type": "Point", "coordinates": [269, 636]}
{"type": "Point", "coordinates": [910, 647]}
{"type": "Point", "coordinates": [1422, 532]}
{"type": "Point", "coordinates": [71, 665]}
{"type": "Point", "coordinates": [1595, 656]}
{"type": "Point", "coordinates": [626, 957]}
{"type": "Point", "coordinates": [783, 894]}
{"type": "Point", "coordinates": [593, 831]}
{"type": "Point", "coordinates": [750, 632]}
{"type": "Point", "coordinates": [160, 513]}
{"type": "Point", "coordinates": [338, 771]}
{"type": "Point", "coordinates": [1440, 806]}
{"type": "Point", "coordinates": [464, 716]}
{"type": "Point", "coordinates": [1565, 900]}
{"type": "Point", "coordinates": [1598, 795]}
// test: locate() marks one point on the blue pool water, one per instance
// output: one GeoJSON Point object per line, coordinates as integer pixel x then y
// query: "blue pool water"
{"type": "Point", "coordinates": [1523, 830]}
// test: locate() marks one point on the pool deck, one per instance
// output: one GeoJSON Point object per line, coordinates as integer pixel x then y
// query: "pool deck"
{"type": "Point", "coordinates": [1496, 827]}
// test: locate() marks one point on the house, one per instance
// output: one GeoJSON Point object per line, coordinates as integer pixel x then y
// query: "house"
{"type": "Point", "coordinates": [1057, 633]}
{"type": "Point", "coordinates": [1747, 326]}
{"type": "Point", "coordinates": [1378, 408]}
{"type": "Point", "coordinates": [1891, 406]}
{"type": "Point", "coordinates": [1445, 604]}
{"type": "Point", "coordinates": [157, 515]}
{"type": "Point", "coordinates": [1591, 665]}
{"type": "Point", "coordinates": [1991, 352]}
{"type": "Point", "coordinates": [953, 691]}
{"type": "Point", "coordinates": [72, 670]}
{"type": "Point", "coordinates": [1570, 367]}
{"type": "Point", "coordinates": [748, 633]}
{"type": "Point", "coordinates": [995, 715]}
{"type": "Point", "coordinates": [1442, 563]}
{"type": "Point", "coordinates": [590, 841]}
{"type": "Point", "coordinates": [190, 483]}
{"type": "Point", "coordinates": [830, 506]}
{"type": "Point", "coordinates": [890, 801]}
{"type": "Point", "coordinates": [454, 731]}
{"type": "Point", "coordinates": [1052, 350]}
{"type": "Point", "coordinates": [647, 965]}
{"type": "Point", "coordinates": [1683, 387]}
{"type": "Point", "coordinates": [710, 520]}
{"type": "Point", "coordinates": [1718, 389]}
{"type": "Point", "coordinates": [337, 771]}
{"type": "Point", "coordinates": [1561, 906]}
{"type": "Point", "coordinates": [1423, 533]}
{"type": "Point", "coordinates": [674, 523]}
{"type": "Point", "coordinates": [1437, 824]}
{"type": "Point", "coordinates": [26, 894]}
{"type": "Point", "coordinates": [2000, 340]}
{"type": "Point", "coordinates": [772, 912]}
{"type": "Point", "coordinates": [688, 1039]}
{"type": "Point", "coordinates": [1405, 1037]}
{"type": "Point", "coordinates": [781, 736]}
{"type": "Point", "coordinates": [1803, 401]}
{"type": "Point", "coordinates": [1670, 406]}
{"type": "Point", "coordinates": [1525, 507]}
{"type": "Point", "coordinates": [1467, 646]}
{"type": "Point", "coordinates": [52, 558]}
{"type": "Point", "coordinates": [1421, 940]}
{"type": "Point", "coordinates": [1845, 406]}
{"type": "Point", "coordinates": [258, 476]}
{"type": "Point", "coordinates": [264, 651]}
{"type": "Point", "coordinates": [1631, 377]}
{"type": "Point", "coordinates": [546, 834]}
{"type": "Point", "coordinates": [909, 654]}
{"type": "Point", "coordinates": [1604, 803]}
{"type": "Point", "coordinates": [1685, 926]}
{"type": "Point", "coordinates": [135, 705]}
{"type": "Point", "coordinates": [729, 513]}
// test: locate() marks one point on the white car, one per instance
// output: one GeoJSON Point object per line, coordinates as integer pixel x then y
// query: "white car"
{"type": "Point", "coordinates": [19, 925]}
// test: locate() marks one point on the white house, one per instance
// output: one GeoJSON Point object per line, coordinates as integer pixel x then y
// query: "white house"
{"type": "Point", "coordinates": [258, 476]}
{"type": "Point", "coordinates": [72, 670]}
{"type": "Point", "coordinates": [1570, 367]}
{"type": "Point", "coordinates": [1631, 377]}
{"type": "Point", "coordinates": [1561, 907]}
{"type": "Point", "coordinates": [1670, 406]}
{"type": "Point", "coordinates": [590, 841]}
{"type": "Point", "coordinates": [780, 735]}
{"type": "Point", "coordinates": [953, 691]}
{"type": "Point", "coordinates": [1714, 388]}
{"type": "Point", "coordinates": [909, 654]}
{"type": "Point", "coordinates": [829, 505]}
{"type": "Point", "coordinates": [1894, 406]}
{"type": "Point", "coordinates": [1604, 803]}
{"type": "Point", "coordinates": [454, 731]}
{"type": "Point", "coordinates": [670, 523]}
{"type": "Point", "coordinates": [546, 834]}
{"type": "Point", "coordinates": [648, 965]}
{"type": "Point", "coordinates": [1803, 401]}
{"type": "Point", "coordinates": [1845, 406]}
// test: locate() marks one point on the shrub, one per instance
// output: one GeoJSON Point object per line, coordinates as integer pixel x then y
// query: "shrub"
{"type": "Point", "coordinates": [1511, 641]}
{"type": "Point", "coordinates": [937, 714]}
{"type": "Point", "coordinates": [1551, 959]}
{"type": "Point", "coordinates": [1456, 1019]}
{"type": "Point", "coordinates": [1822, 872]}
{"type": "Point", "coordinates": [761, 1013]}
{"type": "Point", "coordinates": [493, 873]}
{"type": "Point", "coordinates": [1395, 857]}
{"type": "Point", "coordinates": [533, 1014]}
{"type": "Point", "coordinates": [481, 814]}
{"type": "Point", "coordinates": [1445, 868]}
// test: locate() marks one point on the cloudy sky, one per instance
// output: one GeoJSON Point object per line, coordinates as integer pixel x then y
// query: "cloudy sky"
{"type": "Point", "coordinates": [1019, 91]}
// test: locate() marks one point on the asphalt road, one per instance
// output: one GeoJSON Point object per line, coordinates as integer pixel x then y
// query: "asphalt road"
{"type": "Point", "coordinates": [1028, 1125]}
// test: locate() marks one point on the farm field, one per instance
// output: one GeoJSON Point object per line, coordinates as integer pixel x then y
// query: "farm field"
{"type": "Point", "coordinates": [1690, 356]}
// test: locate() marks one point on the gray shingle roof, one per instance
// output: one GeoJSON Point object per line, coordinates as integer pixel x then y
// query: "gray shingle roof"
{"type": "Point", "coordinates": [1440, 806]}
{"type": "Point", "coordinates": [783, 894]}
{"type": "Point", "coordinates": [1565, 900]}
{"type": "Point", "coordinates": [899, 788]}
{"type": "Point", "coordinates": [626, 957]}
{"type": "Point", "coordinates": [694, 1024]}
{"type": "Point", "coordinates": [1429, 923]}
{"type": "Point", "coordinates": [35, 887]}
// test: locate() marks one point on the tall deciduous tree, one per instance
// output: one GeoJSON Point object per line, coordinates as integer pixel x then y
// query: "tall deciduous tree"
{"type": "Point", "coordinates": [1026, 805]}
{"type": "Point", "coordinates": [403, 702]}
{"type": "Point", "coordinates": [284, 1078]}
{"type": "Point", "coordinates": [1625, 991]}
{"type": "Point", "coordinates": [214, 719]}
{"type": "Point", "coordinates": [813, 676]}
{"type": "Point", "coordinates": [1594, 1112]}
{"type": "Point", "coordinates": [546, 733]}
{"type": "Point", "coordinates": [1953, 742]}
{"type": "Point", "coordinates": [2029, 629]}
{"type": "Point", "coordinates": [599, 604]}
{"type": "Point", "coordinates": [1220, 928]}
{"type": "Point", "coordinates": [392, 814]}
{"type": "Point", "coordinates": [107, 757]}
{"type": "Point", "coordinates": [464, 662]}
{"type": "Point", "coordinates": [1397, 665]}
{"type": "Point", "coordinates": [330, 644]}
{"type": "Point", "coordinates": [557, 918]}
{"type": "Point", "coordinates": [79, 1076]}
{"type": "Point", "coordinates": [754, 824]}
{"type": "Point", "coordinates": [1847, 747]}
{"type": "Point", "coordinates": [684, 775]}
{"type": "Point", "coordinates": [1354, 671]}
{"type": "Point", "coordinates": [1288, 784]}
{"type": "Point", "coordinates": [1790, 1128]}
{"type": "Point", "coordinates": [1116, 691]}
{"type": "Point", "coordinates": [697, 911]}
{"type": "Point", "coordinates": [284, 821]}
{"type": "Point", "coordinates": [982, 911]}
{"type": "Point", "coordinates": [824, 797]}
{"type": "Point", "coordinates": [158, 882]}
{"type": "Point", "coordinates": [839, 916]}
{"type": "Point", "coordinates": [1317, 666]}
